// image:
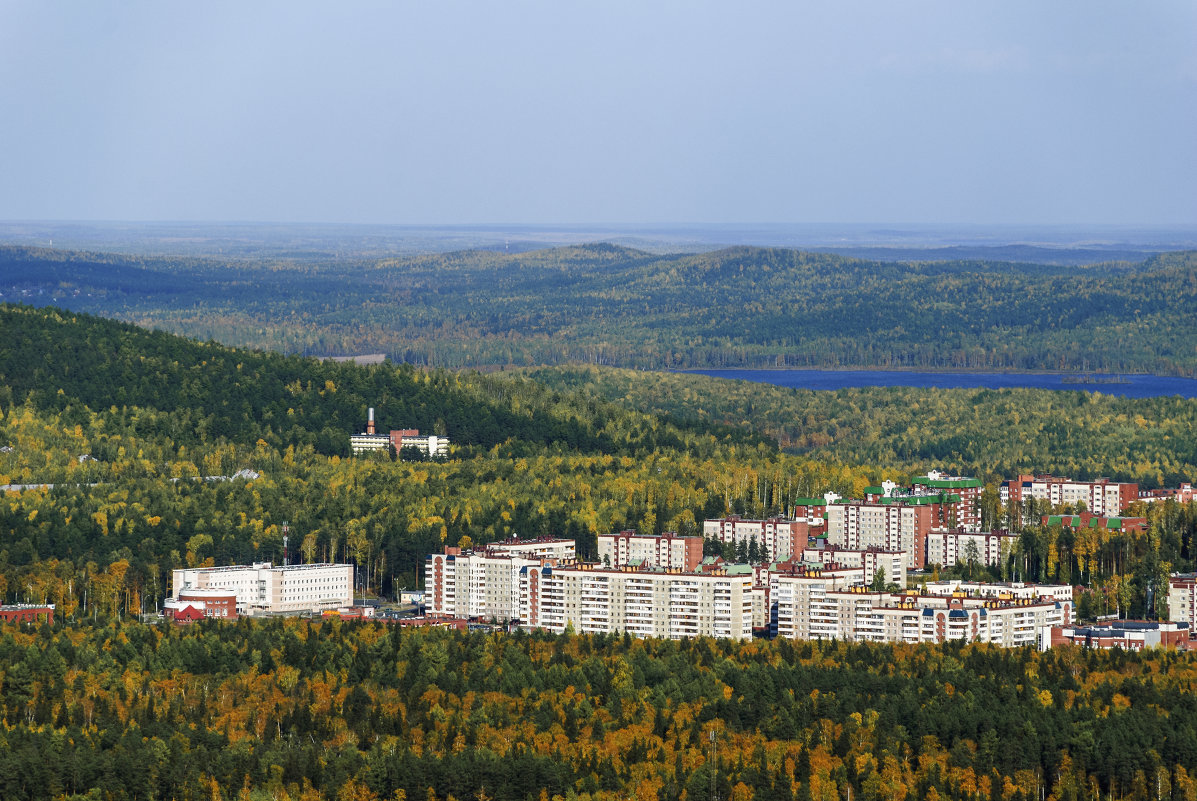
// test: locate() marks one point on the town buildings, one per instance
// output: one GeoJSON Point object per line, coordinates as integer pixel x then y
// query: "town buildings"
{"type": "Point", "coordinates": [431, 445]}
{"type": "Point", "coordinates": [267, 589]}
{"type": "Point", "coordinates": [190, 604]}
{"type": "Point", "coordinates": [778, 538]}
{"type": "Point", "coordinates": [1182, 494]}
{"type": "Point", "coordinates": [949, 548]}
{"type": "Point", "coordinates": [485, 584]}
{"type": "Point", "coordinates": [815, 603]}
{"type": "Point", "coordinates": [1100, 496]}
{"type": "Point", "coordinates": [1182, 599]}
{"type": "Point", "coordinates": [1131, 635]}
{"type": "Point", "coordinates": [644, 602]}
{"type": "Point", "coordinates": [650, 550]}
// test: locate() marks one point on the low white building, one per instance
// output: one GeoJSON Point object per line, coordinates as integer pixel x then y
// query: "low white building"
{"type": "Point", "coordinates": [264, 588]}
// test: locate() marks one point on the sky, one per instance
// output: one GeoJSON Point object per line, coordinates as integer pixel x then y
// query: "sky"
{"type": "Point", "coordinates": [601, 112]}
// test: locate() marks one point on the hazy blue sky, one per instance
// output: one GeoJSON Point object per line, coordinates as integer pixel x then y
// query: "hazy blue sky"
{"type": "Point", "coordinates": [453, 112]}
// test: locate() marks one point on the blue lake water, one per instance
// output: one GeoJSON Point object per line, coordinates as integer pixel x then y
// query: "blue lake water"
{"type": "Point", "coordinates": [1131, 385]}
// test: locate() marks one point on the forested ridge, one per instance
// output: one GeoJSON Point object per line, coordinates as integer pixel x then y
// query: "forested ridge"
{"type": "Point", "coordinates": [994, 433]}
{"type": "Point", "coordinates": [602, 304]}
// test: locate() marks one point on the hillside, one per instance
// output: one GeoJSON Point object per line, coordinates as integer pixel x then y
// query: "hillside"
{"type": "Point", "coordinates": [609, 305]}
{"type": "Point", "coordinates": [983, 432]}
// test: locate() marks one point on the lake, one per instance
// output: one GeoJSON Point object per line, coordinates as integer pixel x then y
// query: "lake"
{"type": "Point", "coordinates": [1131, 385]}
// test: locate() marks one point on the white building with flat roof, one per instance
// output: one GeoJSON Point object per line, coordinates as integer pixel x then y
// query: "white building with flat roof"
{"type": "Point", "coordinates": [264, 588]}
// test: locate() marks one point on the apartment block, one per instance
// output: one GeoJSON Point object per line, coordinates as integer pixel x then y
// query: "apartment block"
{"type": "Point", "coordinates": [1100, 496]}
{"type": "Point", "coordinates": [892, 562]}
{"type": "Point", "coordinates": [888, 523]}
{"type": "Point", "coordinates": [948, 548]}
{"type": "Point", "coordinates": [486, 584]}
{"type": "Point", "coordinates": [264, 588]}
{"type": "Point", "coordinates": [967, 510]}
{"type": "Point", "coordinates": [1182, 599]}
{"type": "Point", "coordinates": [816, 606]}
{"type": "Point", "coordinates": [778, 537]}
{"type": "Point", "coordinates": [669, 550]}
{"type": "Point", "coordinates": [642, 602]}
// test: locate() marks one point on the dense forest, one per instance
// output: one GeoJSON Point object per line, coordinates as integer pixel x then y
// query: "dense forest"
{"type": "Point", "coordinates": [995, 433]}
{"type": "Point", "coordinates": [127, 453]}
{"type": "Point", "coordinates": [608, 305]}
{"type": "Point", "coordinates": [308, 710]}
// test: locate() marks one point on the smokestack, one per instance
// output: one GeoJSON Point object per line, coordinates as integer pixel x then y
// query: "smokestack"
{"type": "Point", "coordinates": [370, 422]}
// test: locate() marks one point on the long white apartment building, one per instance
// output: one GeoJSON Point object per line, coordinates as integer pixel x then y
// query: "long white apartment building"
{"type": "Point", "coordinates": [485, 584]}
{"type": "Point", "coordinates": [1100, 496]}
{"type": "Point", "coordinates": [869, 561]}
{"type": "Point", "coordinates": [264, 588]}
{"type": "Point", "coordinates": [815, 604]}
{"type": "Point", "coordinates": [778, 537]}
{"type": "Point", "coordinates": [650, 550]}
{"type": "Point", "coordinates": [645, 603]}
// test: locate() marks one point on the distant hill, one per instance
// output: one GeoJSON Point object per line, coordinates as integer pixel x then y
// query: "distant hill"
{"type": "Point", "coordinates": [58, 359]}
{"type": "Point", "coordinates": [609, 305]}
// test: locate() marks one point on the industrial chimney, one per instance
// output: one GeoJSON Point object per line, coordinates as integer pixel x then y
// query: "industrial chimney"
{"type": "Point", "coordinates": [370, 422]}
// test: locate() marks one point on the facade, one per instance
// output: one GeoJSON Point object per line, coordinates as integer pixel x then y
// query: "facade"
{"type": "Point", "coordinates": [967, 511]}
{"type": "Point", "coordinates": [27, 613]}
{"type": "Point", "coordinates": [814, 604]}
{"type": "Point", "coordinates": [644, 603]}
{"type": "Point", "coordinates": [215, 603]}
{"type": "Point", "coordinates": [1100, 496]}
{"type": "Point", "coordinates": [948, 548]}
{"type": "Point", "coordinates": [485, 584]}
{"type": "Point", "coordinates": [889, 523]}
{"type": "Point", "coordinates": [1132, 635]}
{"type": "Point", "coordinates": [1182, 599]}
{"type": "Point", "coordinates": [777, 537]}
{"type": "Point", "coordinates": [669, 550]}
{"type": "Point", "coordinates": [263, 588]}
{"type": "Point", "coordinates": [892, 562]}
{"type": "Point", "coordinates": [1182, 494]}
{"type": "Point", "coordinates": [434, 447]}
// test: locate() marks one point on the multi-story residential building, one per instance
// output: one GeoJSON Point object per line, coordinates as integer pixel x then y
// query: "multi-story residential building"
{"type": "Point", "coordinates": [486, 584]}
{"type": "Point", "coordinates": [1182, 494]}
{"type": "Point", "coordinates": [893, 563]}
{"type": "Point", "coordinates": [948, 548]}
{"type": "Point", "coordinates": [645, 602]}
{"type": "Point", "coordinates": [777, 537]}
{"type": "Point", "coordinates": [813, 511]}
{"type": "Point", "coordinates": [967, 511]}
{"type": "Point", "coordinates": [811, 605]}
{"type": "Point", "coordinates": [889, 523]}
{"type": "Point", "coordinates": [264, 588]}
{"type": "Point", "coordinates": [1182, 599]}
{"type": "Point", "coordinates": [667, 550]}
{"type": "Point", "coordinates": [1100, 496]}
